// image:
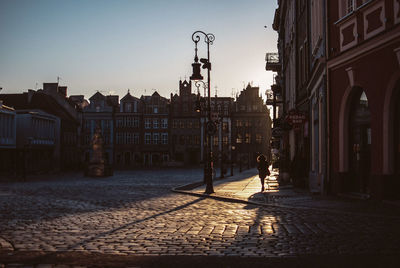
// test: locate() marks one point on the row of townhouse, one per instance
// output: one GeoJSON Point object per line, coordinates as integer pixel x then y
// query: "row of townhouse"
{"type": "Point", "coordinates": [337, 91]}
{"type": "Point", "coordinates": [45, 130]}
{"type": "Point", "coordinates": [156, 131]}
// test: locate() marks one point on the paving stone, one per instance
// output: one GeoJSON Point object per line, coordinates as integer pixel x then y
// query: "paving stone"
{"type": "Point", "coordinates": [134, 213]}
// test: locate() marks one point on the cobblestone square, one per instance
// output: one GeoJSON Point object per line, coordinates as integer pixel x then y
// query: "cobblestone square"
{"type": "Point", "coordinates": [135, 213]}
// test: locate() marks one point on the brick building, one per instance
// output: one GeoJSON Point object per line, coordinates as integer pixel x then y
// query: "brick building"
{"type": "Point", "coordinates": [185, 129]}
{"type": "Point", "coordinates": [251, 127]}
{"type": "Point", "coordinates": [99, 114]}
{"type": "Point", "coordinates": [129, 132]}
{"type": "Point", "coordinates": [8, 139]}
{"type": "Point", "coordinates": [364, 93]}
{"type": "Point", "coordinates": [156, 145]}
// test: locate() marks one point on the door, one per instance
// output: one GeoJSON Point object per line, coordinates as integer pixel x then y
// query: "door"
{"type": "Point", "coordinates": [360, 144]}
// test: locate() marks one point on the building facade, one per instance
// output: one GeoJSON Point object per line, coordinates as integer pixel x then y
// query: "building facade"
{"type": "Point", "coordinates": [186, 146]}
{"type": "Point", "coordinates": [8, 139]}
{"type": "Point", "coordinates": [364, 92]}
{"type": "Point", "coordinates": [156, 146]}
{"type": "Point", "coordinates": [129, 132]}
{"type": "Point", "coordinates": [99, 114]}
{"type": "Point", "coordinates": [317, 93]}
{"type": "Point", "coordinates": [251, 128]}
{"type": "Point", "coordinates": [346, 63]}
{"type": "Point", "coordinates": [38, 142]}
{"type": "Point", "coordinates": [52, 100]}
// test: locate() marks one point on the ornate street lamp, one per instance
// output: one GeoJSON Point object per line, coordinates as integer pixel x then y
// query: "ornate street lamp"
{"type": "Point", "coordinates": [210, 127]}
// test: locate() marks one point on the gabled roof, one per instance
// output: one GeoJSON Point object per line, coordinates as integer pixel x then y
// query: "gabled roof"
{"type": "Point", "coordinates": [97, 96]}
{"type": "Point", "coordinates": [129, 97]}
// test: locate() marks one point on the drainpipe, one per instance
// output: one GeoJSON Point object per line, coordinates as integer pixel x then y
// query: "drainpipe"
{"type": "Point", "coordinates": [328, 92]}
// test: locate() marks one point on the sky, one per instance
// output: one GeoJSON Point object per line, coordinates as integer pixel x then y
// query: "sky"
{"type": "Point", "coordinates": [141, 45]}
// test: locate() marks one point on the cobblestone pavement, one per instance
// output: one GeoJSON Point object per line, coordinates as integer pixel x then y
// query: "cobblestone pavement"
{"type": "Point", "coordinates": [135, 213]}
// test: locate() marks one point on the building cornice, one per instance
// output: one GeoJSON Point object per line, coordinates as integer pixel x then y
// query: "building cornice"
{"type": "Point", "coordinates": [367, 48]}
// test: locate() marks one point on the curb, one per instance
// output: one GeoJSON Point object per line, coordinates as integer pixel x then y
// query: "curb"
{"type": "Point", "coordinates": [241, 201]}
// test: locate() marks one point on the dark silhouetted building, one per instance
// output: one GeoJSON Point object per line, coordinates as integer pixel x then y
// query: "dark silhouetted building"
{"type": "Point", "coordinates": [129, 132]}
{"type": "Point", "coordinates": [185, 129]}
{"type": "Point", "coordinates": [156, 145]}
{"type": "Point", "coordinates": [251, 127]}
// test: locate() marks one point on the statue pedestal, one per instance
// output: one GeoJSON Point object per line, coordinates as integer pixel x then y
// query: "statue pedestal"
{"type": "Point", "coordinates": [97, 166]}
{"type": "Point", "coordinates": [96, 170]}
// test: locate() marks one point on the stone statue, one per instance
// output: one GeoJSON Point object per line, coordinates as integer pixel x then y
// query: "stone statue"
{"type": "Point", "coordinates": [97, 166]}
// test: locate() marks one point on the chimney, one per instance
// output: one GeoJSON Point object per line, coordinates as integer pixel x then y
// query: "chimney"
{"type": "Point", "coordinates": [50, 87]}
{"type": "Point", "coordinates": [62, 91]}
{"type": "Point", "coordinates": [30, 95]}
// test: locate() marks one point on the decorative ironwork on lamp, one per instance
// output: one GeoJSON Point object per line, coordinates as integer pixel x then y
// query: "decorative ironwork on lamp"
{"type": "Point", "coordinates": [196, 67]}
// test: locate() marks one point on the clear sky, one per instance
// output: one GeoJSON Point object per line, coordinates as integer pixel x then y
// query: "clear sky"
{"type": "Point", "coordinates": [110, 46]}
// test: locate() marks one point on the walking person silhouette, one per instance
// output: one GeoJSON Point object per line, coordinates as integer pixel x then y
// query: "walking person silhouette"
{"type": "Point", "coordinates": [263, 171]}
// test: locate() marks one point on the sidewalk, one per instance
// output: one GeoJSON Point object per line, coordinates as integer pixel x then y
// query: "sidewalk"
{"type": "Point", "coordinates": [245, 187]}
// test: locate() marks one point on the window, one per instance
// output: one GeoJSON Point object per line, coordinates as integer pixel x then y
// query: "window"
{"type": "Point", "coordinates": [128, 138]}
{"type": "Point", "coordinates": [106, 124]}
{"type": "Point", "coordinates": [128, 121]}
{"type": "Point", "coordinates": [238, 123]}
{"type": "Point", "coordinates": [147, 138]}
{"type": "Point", "coordinates": [349, 6]}
{"type": "Point", "coordinates": [164, 137]}
{"type": "Point", "coordinates": [135, 122]}
{"type": "Point", "coordinates": [247, 138]}
{"type": "Point", "coordinates": [196, 124]}
{"type": "Point", "coordinates": [135, 107]}
{"type": "Point", "coordinates": [316, 23]}
{"type": "Point", "coordinates": [239, 138]}
{"type": "Point", "coordinates": [156, 138]}
{"type": "Point", "coordinates": [196, 140]}
{"type": "Point", "coordinates": [181, 139]}
{"type": "Point", "coordinates": [175, 124]}
{"type": "Point", "coordinates": [147, 123]}
{"type": "Point", "coordinates": [190, 124]}
{"type": "Point", "coordinates": [119, 122]}
{"type": "Point", "coordinates": [216, 140]}
{"type": "Point", "coordinates": [182, 124]}
{"type": "Point", "coordinates": [225, 140]}
{"type": "Point", "coordinates": [119, 138]}
{"type": "Point", "coordinates": [225, 126]}
{"type": "Point", "coordinates": [128, 107]}
{"type": "Point", "coordinates": [155, 110]}
{"type": "Point", "coordinates": [136, 138]}
{"type": "Point", "coordinates": [345, 6]}
{"type": "Point", "coordinates": [164, 123]}
{"type": "Point", "coordinates": [258, 138]}
{"type": "Point", "coordinates": [155, 123]}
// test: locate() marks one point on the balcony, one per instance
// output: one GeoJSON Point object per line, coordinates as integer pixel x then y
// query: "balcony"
{"type": "Point", "coordinates": [273, 63]}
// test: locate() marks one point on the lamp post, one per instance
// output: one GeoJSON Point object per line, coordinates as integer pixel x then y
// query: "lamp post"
{"type": "Point", "coordinates": [221, 139]}
{"type": "Point", "coordinates": [209, 39]}
{"type": "Point", "coordinates": [200, 105]}
{"type": "Point", "coordinates": [232, 149]}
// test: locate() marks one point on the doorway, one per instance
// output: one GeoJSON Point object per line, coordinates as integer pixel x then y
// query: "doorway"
{"type": "Point", "coordinates": [360, 144]}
